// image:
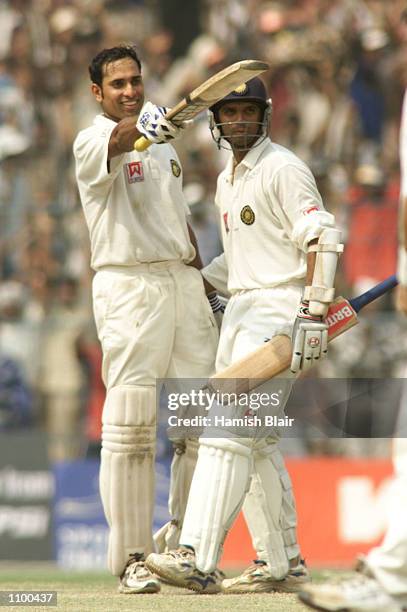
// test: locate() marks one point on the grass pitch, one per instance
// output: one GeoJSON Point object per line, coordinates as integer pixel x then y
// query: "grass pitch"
{"type": "Point", "coordinates": [97, 592]}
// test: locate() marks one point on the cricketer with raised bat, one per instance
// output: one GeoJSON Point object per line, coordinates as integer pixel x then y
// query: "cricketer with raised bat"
{"type": "Point", "coordinates": [151, 312]}
{"type": "Point", "coordinates": [152, 316]}
{"type": "Point", "coordinates": [280, 256]}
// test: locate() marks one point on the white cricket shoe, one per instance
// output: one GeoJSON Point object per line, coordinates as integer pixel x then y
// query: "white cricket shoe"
{"type": "Point", "coordinates": [257, 578]}
{"type": "Point", "coordinates": [136, 578]}
{"type": "Point", "coordinates": [359, 593]}
{"type": "Point", "coordinates": [177, 567]}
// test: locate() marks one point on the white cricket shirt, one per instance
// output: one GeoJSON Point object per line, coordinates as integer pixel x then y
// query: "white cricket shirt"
{"type": "Point", "coordinates": [135, 210]}
{"type": "Point", "coordinates": [269, 213]}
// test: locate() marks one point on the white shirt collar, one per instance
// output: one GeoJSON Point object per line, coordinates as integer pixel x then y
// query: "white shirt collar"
{"type": "Point", "coordinates": [250, 159]}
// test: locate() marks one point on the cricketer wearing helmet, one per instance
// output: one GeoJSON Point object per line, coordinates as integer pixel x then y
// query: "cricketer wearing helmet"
{"type": "Point", "coordinates": [280, 255]}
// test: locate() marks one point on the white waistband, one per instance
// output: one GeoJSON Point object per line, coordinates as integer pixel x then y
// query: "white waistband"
{"type": "Point", "coordinates": [143, 267]}
{"type": "Point", "coordinates": [293, 284]}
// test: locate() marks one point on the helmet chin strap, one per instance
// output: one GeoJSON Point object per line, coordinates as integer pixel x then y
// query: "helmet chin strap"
{"type": "Point", "coordinates": [230, 143]}
{"type": "Point", "coordinates": [251, 142]}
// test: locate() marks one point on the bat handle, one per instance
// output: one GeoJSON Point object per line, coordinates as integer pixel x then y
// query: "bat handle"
{"type": "Point", "coordinates": [375, 292]}
{"type": "Point", "coordinates": [142, 144]}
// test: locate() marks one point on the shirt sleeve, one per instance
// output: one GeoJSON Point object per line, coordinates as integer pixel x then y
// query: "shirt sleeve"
{"type": "Point", "coordinates": [216, 273]}
{"type": "Point", "coordinates": [91, 158]}
{"type": "Point", "coordinates": [298, 204]}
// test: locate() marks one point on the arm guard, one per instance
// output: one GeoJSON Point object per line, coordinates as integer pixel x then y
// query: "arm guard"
{"type": "Point", "coordinates": [322, 292]}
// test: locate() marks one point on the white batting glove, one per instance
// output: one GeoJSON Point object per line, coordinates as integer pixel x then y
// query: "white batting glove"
{"type": "Point", "coordinates": [310, 339]}
{"type": "Point", "coordinates": [153, 125]}
{"type": "Point", "coordinates": [217, 307]}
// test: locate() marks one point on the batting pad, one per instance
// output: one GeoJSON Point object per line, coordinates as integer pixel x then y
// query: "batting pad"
{"type": "Point", "coordinates": [127, 471]}
{"type": "Point", "coordinates": [262, 506]}
{"type": "Point", "coordinates": [182, 470]}
{"type": "Point", "coordinates": [262, 509]}
{"type": "Point", "coordinates": [220, 481]}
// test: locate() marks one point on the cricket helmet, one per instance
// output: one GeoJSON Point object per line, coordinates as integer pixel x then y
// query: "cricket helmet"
{"type": "Point", "coordinates": [252, 91]}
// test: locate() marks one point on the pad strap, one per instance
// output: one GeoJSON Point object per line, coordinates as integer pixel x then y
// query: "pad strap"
{"type": "Point", "coordinates": [324, 248]}
{"type": "Point", "coordinates": [319, 294]}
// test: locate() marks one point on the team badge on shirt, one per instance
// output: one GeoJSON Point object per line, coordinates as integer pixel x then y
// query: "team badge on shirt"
{"type": "Point", "coordinates": [247, 215]}
{"type": "Point", "coordinates": [175, 167]}
{"type": "Point", "coordinates": [134, 171]}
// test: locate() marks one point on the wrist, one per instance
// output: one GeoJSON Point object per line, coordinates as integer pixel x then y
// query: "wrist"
{"type": "Point", "coordinates": [214, 301]}
{"type": "Point", "coordinates": [305, 313]}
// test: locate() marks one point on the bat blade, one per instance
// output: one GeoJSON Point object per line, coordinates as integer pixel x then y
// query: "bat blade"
{"type": "Point", "coordinates": [274, 357]}
{"type": "Point", "coordinates": [212, 90]}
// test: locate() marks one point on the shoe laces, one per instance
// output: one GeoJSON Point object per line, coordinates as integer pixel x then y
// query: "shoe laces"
{"type": "Point", "coordinates": [298, 570]}
{"type": "Point", "coordinates": [183, 552]}
{"type": "Point", "coordinates": [257, 563]}
{"type": "Point", "coordinates": [135, 558]}
{"type": "Point", "coordinates": [351, 581]}
{"type": "Point", "coordinates": [365, 587]}
{"type": "Point", "coordinates": [135, 566]}
{"type": "Point", "coordinates": [219, 575]}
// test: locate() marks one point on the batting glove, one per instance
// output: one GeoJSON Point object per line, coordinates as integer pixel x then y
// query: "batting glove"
{"type": "Point", "coordinates": [153, 125]}
{"type": "Point", "coordinates": [310, 339]}
{"type": "Point", "coordinates": [217, 307]}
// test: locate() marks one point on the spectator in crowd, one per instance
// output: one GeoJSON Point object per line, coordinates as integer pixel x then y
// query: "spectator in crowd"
{"type": "Point", "coordinates": [16, 398]}
{"type": "Point", "coordinates": [61, 377]}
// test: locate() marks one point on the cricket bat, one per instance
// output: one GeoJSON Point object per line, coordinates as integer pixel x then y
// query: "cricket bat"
{"type": "Point", "coordinates": [275, 356]}
{"type": "Point", "coordinates": [210, 92]}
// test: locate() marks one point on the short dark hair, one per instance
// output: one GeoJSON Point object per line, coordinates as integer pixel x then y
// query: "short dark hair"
{"type": "Point", "coordinates": [106, 56]}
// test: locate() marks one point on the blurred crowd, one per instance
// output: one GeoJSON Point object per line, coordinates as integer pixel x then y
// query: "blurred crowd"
{"type": "Point", "coordinates": [338, 70]}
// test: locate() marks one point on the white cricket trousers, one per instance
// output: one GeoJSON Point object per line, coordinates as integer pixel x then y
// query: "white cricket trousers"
{"type": "Point", "coordinates": [251, 318]}
{"type": "Point", "coordinates": [153, 321]}
{"type": "Point", "coordinates": [227, 465]}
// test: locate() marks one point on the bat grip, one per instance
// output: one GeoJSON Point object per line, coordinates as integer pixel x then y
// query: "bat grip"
{"type": "Point", "coordinates": [375, 292]}
{"type": "Point", "coordinates": [142, 144]}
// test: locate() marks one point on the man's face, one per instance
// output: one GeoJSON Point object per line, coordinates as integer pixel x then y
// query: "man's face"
{"type": "Point", "coordinates": [241, 123]}
{"type": "Point", "coordinates": [122, 91]}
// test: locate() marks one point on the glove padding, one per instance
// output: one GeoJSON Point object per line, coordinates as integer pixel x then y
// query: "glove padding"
{"type": "Point", "coordinates": [217, 307]}
{"type": "Point", "coordinates": [310, 340]}
{"type": "Point", "coordinates": [153, 125]}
